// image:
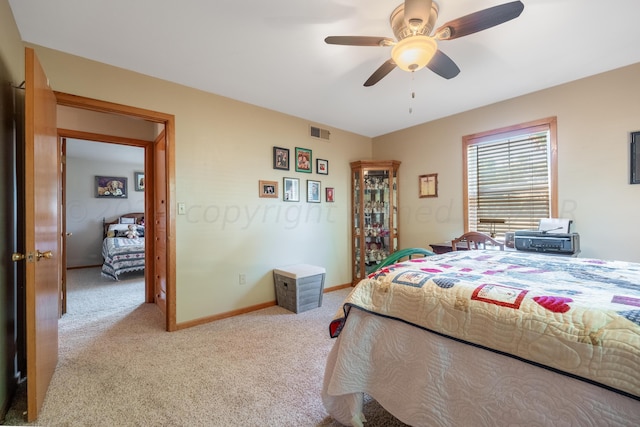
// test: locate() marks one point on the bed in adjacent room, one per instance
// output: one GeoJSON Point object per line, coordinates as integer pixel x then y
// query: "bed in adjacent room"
{"type": "Point", "coordinates": [123, 248]}
{"type": "Point", "coordinates": [490, 338]}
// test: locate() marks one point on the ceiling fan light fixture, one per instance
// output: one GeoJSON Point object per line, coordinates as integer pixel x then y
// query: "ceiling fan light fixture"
{"type": "Point", "coordinates": [414, 53]}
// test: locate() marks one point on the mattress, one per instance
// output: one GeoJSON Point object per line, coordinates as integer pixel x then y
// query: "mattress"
{"type": "Point", "coordinates": [425, 379]}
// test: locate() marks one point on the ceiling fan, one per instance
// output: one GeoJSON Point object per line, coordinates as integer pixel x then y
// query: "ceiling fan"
{"type": "Point", "coordinates": [416, 47]}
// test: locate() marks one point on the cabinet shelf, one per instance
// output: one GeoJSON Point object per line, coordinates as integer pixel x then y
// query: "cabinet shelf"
{"type": "Point", "coordinates": [374, 214]}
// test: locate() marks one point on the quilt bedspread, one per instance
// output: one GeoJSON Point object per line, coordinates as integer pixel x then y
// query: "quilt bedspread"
{"type": "Point", "coordinates": [578, 316]}
{"type": "Point", "coordinates": [122, 255]}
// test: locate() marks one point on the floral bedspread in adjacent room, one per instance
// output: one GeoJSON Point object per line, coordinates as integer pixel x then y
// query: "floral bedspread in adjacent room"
{"type": "Point", "coordinates": [578, 316]}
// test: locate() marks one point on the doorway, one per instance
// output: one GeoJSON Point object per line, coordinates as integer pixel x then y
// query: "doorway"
{"type": "Point", "coordinates": [84, 213]}
{"type": "Point", "coordinates": [159, 182]}
{"type": "Point", "coordinates": [41, 247]}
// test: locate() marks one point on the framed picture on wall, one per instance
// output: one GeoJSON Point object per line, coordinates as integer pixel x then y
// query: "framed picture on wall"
{"type": "Point", "coordinates": [291, 192]}
{"type": "Point", "coordinates": [139, 179]}
{"type": "Point", "coordinates": [635, 158]}
{"type": "Point", "coordinates": [111, 187]}
{"type": "Point", "coordinates": [303, 160]}
{"type": "Point", "coordinates": [268, 189]}
{"type": "Point", "coordinates": [281, 158]}
{"type": "Point", "coordinates": [313, 191]}
{"type": "Point", "coordinates": [428, 185]}
{"type": "Point", "coordinates": [329, 194]}
{"type": "Point", "coordinates": [322, 166]}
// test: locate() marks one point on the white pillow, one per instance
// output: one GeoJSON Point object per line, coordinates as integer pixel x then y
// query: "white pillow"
{"type": "Point", "coordinates": [116, 227]}
{"type": "Point", "coordinates": [124, 220]}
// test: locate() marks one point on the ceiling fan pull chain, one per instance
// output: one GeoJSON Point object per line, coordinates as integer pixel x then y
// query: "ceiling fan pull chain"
{"type": "Point", "coordinates": [413, 93]}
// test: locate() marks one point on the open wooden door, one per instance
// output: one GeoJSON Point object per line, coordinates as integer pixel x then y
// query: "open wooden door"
{"type": "Point", "coordinates": [42, 233]}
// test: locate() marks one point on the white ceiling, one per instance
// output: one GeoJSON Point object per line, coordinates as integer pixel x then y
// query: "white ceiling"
{"type": "Point", "coordinates": [104, 152]}
{"type": "Point", "coordinates": [272, 53]}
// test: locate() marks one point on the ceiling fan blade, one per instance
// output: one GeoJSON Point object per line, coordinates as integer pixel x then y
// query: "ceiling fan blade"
{"type": "Point", "coordinates": [359, 41]}
{"type": "Point", "coordinates": [379, 74]}
{"type": "Point", "coordinates": [416, 13]}
{"type": "Point", "coordinates": [479, 21]}
{"type": "Point", "coordinates": [443, 66]}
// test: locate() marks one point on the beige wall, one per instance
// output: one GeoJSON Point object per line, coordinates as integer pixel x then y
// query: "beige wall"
{"type": "Point", "coordinates": [595, 116]}
{"type": "Point", "coordinates": [223, 147]}
{"type": "Point", "coordinates": [11, 48]}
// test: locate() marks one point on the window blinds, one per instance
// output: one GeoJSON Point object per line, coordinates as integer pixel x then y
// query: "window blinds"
{"type": "Point", "coordinates": [509, 179]}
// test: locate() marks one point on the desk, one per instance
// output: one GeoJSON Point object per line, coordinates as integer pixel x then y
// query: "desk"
{"type": "Point", "coordinates": [444, 247]}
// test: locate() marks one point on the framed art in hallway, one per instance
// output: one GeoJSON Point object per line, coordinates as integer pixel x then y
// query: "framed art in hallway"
{"type": "Point", "coordinates": [111, 187]}
{"type": "Point", "coordinates": [139, 180]}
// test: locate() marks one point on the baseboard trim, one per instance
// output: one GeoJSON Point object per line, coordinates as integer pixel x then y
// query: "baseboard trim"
{"type": "Point", "coordinates": [338, 287]}
{"type": "Point", "coordinates": [209, 319]}
{"type": "Point", "coordinates": [84, 266]}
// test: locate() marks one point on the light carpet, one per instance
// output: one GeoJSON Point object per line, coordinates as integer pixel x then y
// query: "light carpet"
{"type": "Point", "coordinates": [117, 365]}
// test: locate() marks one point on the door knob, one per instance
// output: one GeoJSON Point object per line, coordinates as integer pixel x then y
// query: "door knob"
{"type": "Point", "coordinates": [47, 255]}
{"type": "Point", "coordinates": [69, 234]}
{"type": "Point", "coordinates": [16, 256]}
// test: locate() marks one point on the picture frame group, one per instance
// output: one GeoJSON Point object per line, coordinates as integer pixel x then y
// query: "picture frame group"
{"type": "Point", "coordinates": [291, 190]}
{"type": "Point", "coordinates": [303, 158]}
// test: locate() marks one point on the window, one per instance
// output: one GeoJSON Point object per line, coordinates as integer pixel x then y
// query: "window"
{"type": "Point", "coordinates": [510, 177]}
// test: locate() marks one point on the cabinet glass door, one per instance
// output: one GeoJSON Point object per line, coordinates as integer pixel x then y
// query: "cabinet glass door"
{"type": "Point", "coordinates": [376, 217]}
{"type": "Point", "coordinates": [375, 214]}
{"type": "Point", "coordinates": [357, 225]}
{"type": "Point", "coordinates": [393, 195]}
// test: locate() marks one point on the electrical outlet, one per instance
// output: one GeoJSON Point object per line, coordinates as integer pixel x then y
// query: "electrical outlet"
{"type": "Point", "coordinates": [242, 279]}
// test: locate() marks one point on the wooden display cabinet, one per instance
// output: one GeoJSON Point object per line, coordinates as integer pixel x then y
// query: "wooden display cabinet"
{"type": "Point", "coordinates": [374, 214]}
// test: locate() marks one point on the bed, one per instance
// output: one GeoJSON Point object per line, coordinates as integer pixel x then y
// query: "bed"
{"type": "Point", "coordinates": [122, 254]}
{"type": "Point", "coordinates": [490, 338]}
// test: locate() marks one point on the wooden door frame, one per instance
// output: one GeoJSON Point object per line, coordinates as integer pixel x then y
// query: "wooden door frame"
{"type": "Point", "coordinates": [153, 232]}
{"type": "Point", "coordinates": [62, 150]}
{"type": "Point", "coordinates": [64, 134]}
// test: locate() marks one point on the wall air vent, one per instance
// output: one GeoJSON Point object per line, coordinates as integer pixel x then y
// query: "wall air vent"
{"type": "Point", "coordinates": [316, 132]}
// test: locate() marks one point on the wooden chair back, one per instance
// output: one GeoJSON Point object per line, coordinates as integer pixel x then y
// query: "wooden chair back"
{"type": "Point", "coordinates": [476, 240]}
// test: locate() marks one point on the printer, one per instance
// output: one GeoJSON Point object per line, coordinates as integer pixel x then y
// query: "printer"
{"type": "Point", "coordinates": [553, 236]}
